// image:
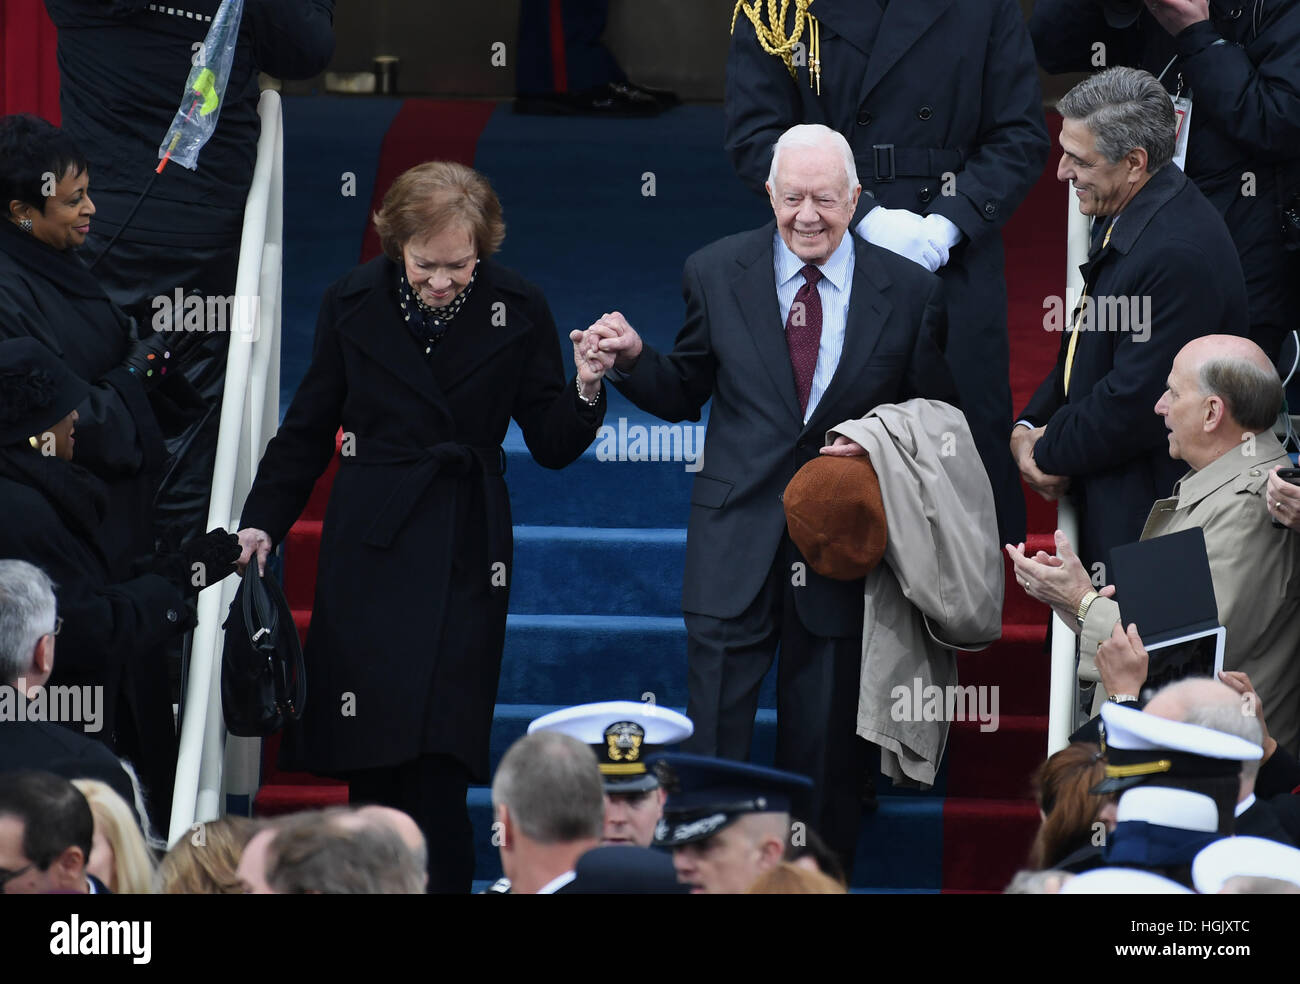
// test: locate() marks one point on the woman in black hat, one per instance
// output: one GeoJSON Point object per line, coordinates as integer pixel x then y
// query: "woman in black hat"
{"type": "Point", "coordinates": [48, 293]}
{"type": "Point", "coordinates": [113, 629]}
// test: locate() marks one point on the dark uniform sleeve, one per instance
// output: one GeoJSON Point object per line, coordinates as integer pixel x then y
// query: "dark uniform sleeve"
{"type": "Point", "coordinates": [557, 425]}
{"type": "Point", "coordinates": [305, 442]}
{"type": "Point", "coordinates": [674, 387]}
{"type": "Point", "coordinates": [1012, 145]}
{"type": "Point", "coordinates": [1255, 105]}
{"type": "Point", "coordinates": [292, 39]}
{"type": "Point", "coordinates": [1278, 776]}
{"type": "Point", "coordinates": [761, 103]}
{"type": "Point", "coordinates": [1065, 33]}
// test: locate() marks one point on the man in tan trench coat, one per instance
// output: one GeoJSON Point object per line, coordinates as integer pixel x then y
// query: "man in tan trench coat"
{"type": "Point", "coordinates": [1222, 400]}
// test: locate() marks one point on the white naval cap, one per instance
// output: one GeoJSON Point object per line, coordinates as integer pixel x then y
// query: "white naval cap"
{"type": "Point", "coordinates": [1122, 881]}
{"type": "Point", "coordinates": [622, 733]}
{"type": "Point", "coordinates": [1139, 745]}
{"type": "Point", "coordinates": [1254, 857]}
{"type": "Point", "coordinates": [1168, 807]}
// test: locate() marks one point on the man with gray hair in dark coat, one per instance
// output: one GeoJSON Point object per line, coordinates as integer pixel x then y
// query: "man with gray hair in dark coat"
{"type": "Point", "coordinates": [1161, 271]}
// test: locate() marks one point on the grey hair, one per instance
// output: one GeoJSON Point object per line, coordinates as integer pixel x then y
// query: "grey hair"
{"type": "Point", "coordinates": [27, 612]}
{"type": "Point", "coordinates": [1252, 393]}
{"type": "Point", "coordinates": [1124, 108]}
{"type": "Point", "coordinates": [1230, 717]}
{"type": "Point", "coordinates": [551, 785]}
{"type": "Point", "coordinates": [806, 135]}
{"type": "Point", "coordinates": [315, 854]}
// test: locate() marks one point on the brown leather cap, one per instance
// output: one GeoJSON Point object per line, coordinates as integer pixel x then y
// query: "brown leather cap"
{"type": "Point", "coordinates": [836, 516]}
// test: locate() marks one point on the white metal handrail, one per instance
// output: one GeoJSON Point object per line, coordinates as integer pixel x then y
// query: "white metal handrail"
{"type": "Point", "coordinates": [249, 417]}
{"type": "Point", "coordinates": [1064, 671]}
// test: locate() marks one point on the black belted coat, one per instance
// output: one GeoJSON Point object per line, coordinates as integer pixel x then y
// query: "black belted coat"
{"type": "Point", "coordinates": [408, 624]}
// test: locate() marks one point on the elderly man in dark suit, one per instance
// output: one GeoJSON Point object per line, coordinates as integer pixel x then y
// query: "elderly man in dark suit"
{"type": "Point", "coordinates": [1161, 271]}
{"type": "Point", "coordinates": [860, 328]}
{"type": "Point", "coordinates": [942, 107]}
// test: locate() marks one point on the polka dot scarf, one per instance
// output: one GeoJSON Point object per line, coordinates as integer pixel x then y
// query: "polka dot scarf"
{"type": "Point", "coordinates": [429, 324]}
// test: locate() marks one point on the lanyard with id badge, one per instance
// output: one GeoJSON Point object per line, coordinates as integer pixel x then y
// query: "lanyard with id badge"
{"type": "Point", "coordinates": [1182, 117]}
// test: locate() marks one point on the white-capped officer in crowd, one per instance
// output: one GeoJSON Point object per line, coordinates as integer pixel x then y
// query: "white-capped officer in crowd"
{"type": "Point", "coordinates": [1247, 866]}
{"type": "Point", "coordinates": [1179, 785]}
{"type": "Point", "coordinates": [726, 822]}
{"type": "Point", "coordinates": [623, 733]}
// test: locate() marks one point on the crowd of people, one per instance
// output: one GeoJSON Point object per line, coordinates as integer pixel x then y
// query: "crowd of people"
{"type": "Point", "coordinates": [850, 339]}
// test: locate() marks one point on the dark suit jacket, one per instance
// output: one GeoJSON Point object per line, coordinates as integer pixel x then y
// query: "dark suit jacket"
{"type": "Point", "coordinates": [1276, 818]}
{"type": "Point", "coordinates": [54, 748]}
{"type": "Point", "coordinates": [1245, 119]}
{"type": "Point", "coordinates": [419, 508]}
{"type": "Point", "coordinates": [950, 85]}
{"type": "Point", "coordinates": [1171, 246]}
{"type": "Point", "coordinates": [733, 349]}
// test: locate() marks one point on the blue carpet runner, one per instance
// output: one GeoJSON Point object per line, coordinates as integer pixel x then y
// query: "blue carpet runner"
{"type": "Point", "coordinates": [595, 611]}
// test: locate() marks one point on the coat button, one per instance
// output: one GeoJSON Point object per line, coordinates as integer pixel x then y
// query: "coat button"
{"type": "Point", "coordinates": [924, 195]}
{"type": "Point", "coordinates": [863, 117]}
{"type": "Point", "coordinates": [990, 208]}
{"type": "Point", "coordinates": [1254, 473]}
{"type": "Point", "coordinates": [172, 615]}
{"type": "Point", "coordinates": [924, 113]}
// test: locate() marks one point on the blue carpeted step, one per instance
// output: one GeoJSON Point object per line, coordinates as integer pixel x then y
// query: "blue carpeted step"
{"type": "Point", "coordinates": [607, 486]}
{"type": "Point", "coordinates": [587, 570]}
{"type": "Point", "coordinates": [578, 659]}
{"type": "Point", "coordinates": [897, 848]}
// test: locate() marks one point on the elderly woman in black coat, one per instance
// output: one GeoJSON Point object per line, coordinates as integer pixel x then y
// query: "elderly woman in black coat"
{"type": "Point", "coordinates": [422, 356]}
{"type": "Point", "coordinates": [114, 626]}
{"type": "Point", "coordinates": [48, 293]}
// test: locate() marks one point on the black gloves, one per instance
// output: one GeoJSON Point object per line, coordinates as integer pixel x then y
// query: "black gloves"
{"type": "Point", "coordinates": [202, 561]}
{"type": "Point", "coordinates": [164, 352]}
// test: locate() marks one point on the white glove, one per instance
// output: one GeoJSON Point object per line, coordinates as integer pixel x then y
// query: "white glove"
{"type": "Point", "coordinates": [904, 233]}
{"type": "Point", "coordinates": [942, 232]}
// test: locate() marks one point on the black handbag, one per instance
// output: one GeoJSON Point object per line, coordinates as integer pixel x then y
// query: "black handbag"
{"type": "Point", "coordinates": [263, 679]}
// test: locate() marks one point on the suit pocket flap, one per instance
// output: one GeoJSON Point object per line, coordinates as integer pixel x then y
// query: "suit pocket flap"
{"type": "Point", "coordinates": [710, 492]}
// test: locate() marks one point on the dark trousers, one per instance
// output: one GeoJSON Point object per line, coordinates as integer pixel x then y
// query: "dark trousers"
{"type": "Point", "coordinates": [432, 790]}
{"type": "Point", "coordinates": [817, 699]}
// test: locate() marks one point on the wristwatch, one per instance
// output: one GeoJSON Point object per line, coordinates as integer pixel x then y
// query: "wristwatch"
{"type": "Point", "coordinates": [1087, 600]}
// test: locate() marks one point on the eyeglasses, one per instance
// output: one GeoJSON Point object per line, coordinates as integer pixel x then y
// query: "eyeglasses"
{"type": "Point", "coordinates": [58, 626]}
{"type": "Point", "coordinates": [7, 876]}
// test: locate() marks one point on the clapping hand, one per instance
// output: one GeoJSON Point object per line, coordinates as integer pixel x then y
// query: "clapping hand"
{"type": "Point", "coordinates": [1059, 581]}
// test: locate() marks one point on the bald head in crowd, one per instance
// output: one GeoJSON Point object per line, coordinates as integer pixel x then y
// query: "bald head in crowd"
{"type": "Point", "coordinates": [1221, 389]}
{"type": "Point", "coordinates": [1211, 704]}
{"type": "Point", "coordinates": [369, 851]}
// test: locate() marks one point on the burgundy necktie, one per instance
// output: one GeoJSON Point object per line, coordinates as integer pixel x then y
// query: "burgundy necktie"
{"type": "Point", "coordinates": [803, 333]}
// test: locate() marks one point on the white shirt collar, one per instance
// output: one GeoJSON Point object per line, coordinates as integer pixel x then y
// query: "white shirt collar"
{"type": "Point", "coordinates": [555, 884]}
{"type": "Point", "coordinates": [1244, 805]}
{"type": "Point", "coordinates": [835, 269]}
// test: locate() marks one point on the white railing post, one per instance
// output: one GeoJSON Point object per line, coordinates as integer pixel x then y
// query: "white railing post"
{"type": "Point", "coordinates": [1064, 671]}
{"type": "Point", "coordinates": [247, 421]}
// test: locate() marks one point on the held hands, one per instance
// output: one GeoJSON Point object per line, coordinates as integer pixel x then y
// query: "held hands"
{"type": "Point", "coordinates": [1059, 581]}
{"type": "Point", "coordinates": [609, 342]}
{"type": "Point", "coordinates": [924, 240]}
{"type": "Point", "coordinates": [1175, 16]}
{"type": "Point", "coordinates": [1050, 487]}
{"type": "Point", "coordinates": [253, 541]}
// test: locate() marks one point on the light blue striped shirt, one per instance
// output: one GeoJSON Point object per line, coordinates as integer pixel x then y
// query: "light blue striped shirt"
{"type": "Point", "coordinates": [833, 288]}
